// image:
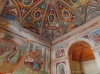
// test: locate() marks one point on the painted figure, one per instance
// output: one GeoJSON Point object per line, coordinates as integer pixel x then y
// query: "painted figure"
{"type": "Point", "coordinates": [37, 14]}
{"type": "Point", "coordinates": [96, 37]}
{"type": "Point", "coordinates": [27, 2]}
{"type": "Point", "coordinates": [29, 60]}
{"type": "Point", "coordinates": [57, 34]}
{"type": "Point", "coordinates": [3, 57]}
{"type": "Point", "coordinates": [51, 18]}
{"type": "Point", "coordinates": [60, 52]}
{"type": "Point", "coordinates": [39, 60]}
{"type": "Point", "coordinates": [13, 58]}
{"type": "Point", "coordinates": [62, 70]}
{"type": "Point", "coordinates": [66, 14]}
{"type": "Point", "coordinates": [75, 1]}
{"type": "Point", "coordinates": [34, 61]}
{"type": "Point", "coordinates": [11, 63]}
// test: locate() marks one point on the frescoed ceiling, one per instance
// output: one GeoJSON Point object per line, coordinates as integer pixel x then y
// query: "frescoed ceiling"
{"type": "Point", "coordinates": [51, 18]}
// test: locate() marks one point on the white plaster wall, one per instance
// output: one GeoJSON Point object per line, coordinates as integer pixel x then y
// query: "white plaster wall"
{"type": "Point", "coordinates": [97, 57]}
{"type": "Point", "coordinates": [90, 67]}
{"type": "Point", "coordinates": [76, 67]}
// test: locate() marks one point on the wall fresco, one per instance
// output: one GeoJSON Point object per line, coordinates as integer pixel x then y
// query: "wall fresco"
{"type": "Point", "coordinates": [60, 50]}
{"type": "Point", "coordinates": [12, 49]}
{"type": "Point", "coordinates": [61, 68]}
{"type": "Point", "coordinates": [95, 35]}
{"type": "Point", "coordinates": [18, 56]}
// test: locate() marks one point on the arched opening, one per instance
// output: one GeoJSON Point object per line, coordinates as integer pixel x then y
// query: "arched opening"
{"type": "Point", "coordinates": [81, 59]}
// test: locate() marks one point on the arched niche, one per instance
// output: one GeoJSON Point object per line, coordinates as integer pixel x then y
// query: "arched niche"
{"type": "Point", "coordinates": [79, 54]}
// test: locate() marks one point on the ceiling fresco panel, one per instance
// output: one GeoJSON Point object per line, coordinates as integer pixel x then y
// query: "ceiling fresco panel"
{"type": "Point", "coordinates": [35, 18]}
{"type": "Point", "coordinates": [25, 5]}
{"type": "Point", "coordinates": [51, 18]}
{"type": "Point", "coordinates": [76, 3]}
{"type": "Point", "coordinates": [65, 13]}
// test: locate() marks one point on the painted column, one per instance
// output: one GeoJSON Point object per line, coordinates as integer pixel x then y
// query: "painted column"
{"type": "Point", "coordinates": [29, 44]}
{"type": "Point", "coordinates": [34, 47]}
{"type": "Point", "coordinates": [44, 56]}
{"type": "Point", "coordinates": [52, 62]}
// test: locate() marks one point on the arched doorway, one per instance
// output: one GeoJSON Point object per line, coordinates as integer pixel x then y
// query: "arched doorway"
{"type": "Point", "coordinates": [81, 59]}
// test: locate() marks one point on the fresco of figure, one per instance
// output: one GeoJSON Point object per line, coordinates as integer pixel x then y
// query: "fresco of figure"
{"type": "Point", "coordinates": [38, 63]}
{"type": "Point", "coordinates": [37, 14]}
{"type": "Point", "coordinates": [66, 14]}
{"type": "Point", "coordinates": [51, 18]}
{"type": "Point", "coordinates": [62, 70]}
{"type": "Point", "coordinates": [34, 61]}
{"type": "Point", "coordinates": [13, 58]}
{"type": "Point", "coordinates": [60, 52]}
{"type": "Point", "coordinates": [30, 58]}
{"type": "Point", "coordinates": [3, 57]}
{"type": "Point", "coordinates": [27, 2]}
{"type": "Point", "coordinates": [75, 1]}
{"type": "Point", "coordinates": [96, 37]}
{"type": "Point", "coordinates": [11, 63]}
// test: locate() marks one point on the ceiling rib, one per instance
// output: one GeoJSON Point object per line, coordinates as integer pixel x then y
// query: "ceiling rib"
{"type": "Point", "coordinates": [18, 8]}
{"type": "Point", "coordinates": [85, 12]}
{"type": "Point", "coordinates": [58, 16]}
{"type": "Point", "coordinates": [97, 9]}
{"type": "Point", "coordinates": [41, 29]}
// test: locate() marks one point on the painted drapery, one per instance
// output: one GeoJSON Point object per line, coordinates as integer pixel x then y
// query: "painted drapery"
{"type": "Point", "coordinates": [15, 59]}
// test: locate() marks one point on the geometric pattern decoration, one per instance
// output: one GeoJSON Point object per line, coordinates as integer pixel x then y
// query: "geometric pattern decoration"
{"type": "Point", "coordinates": [71, 27]}
{"type": "Point", "coordinates": [94, 2]}
{"type": "Point", "coordinates": [9, 3]}
{"type": "Point", "coordinates": [76, 3]}
{"type": "Point", "coordinates": [57, 34]}
{"type": "Point", "coordinates": [65, 13]}
{"type": "Point", "coordinates": [13, 11]}
{"type": "Point", "coordinates": [48, 34]}
{"type": "Point", "coordinates": [25, 5]}
{"type": "Point", "coordinates": [35, 18]}
{"type": "Point", "coordinates": [51, 18]}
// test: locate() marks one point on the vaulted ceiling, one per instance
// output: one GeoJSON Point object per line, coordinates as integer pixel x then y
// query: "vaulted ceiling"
{"type": "Point", "coordinates": [81, 51]}
{"type": "Point", "coordinates": [51, 18]}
